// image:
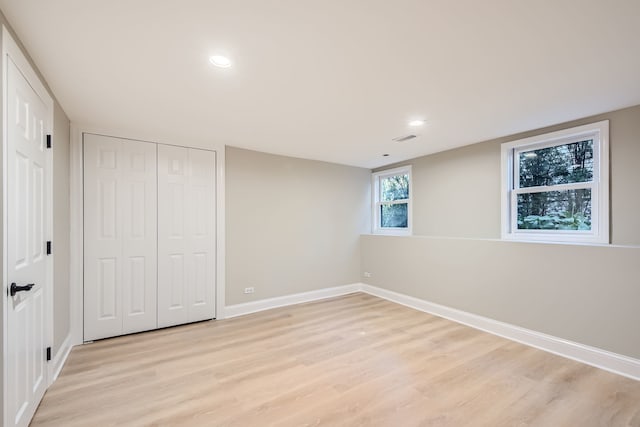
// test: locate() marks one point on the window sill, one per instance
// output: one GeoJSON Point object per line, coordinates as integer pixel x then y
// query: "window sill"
{"type": "Point", "coordinates": [526, 242]}
{"type": "Point", "coordinates": [392, 232]}
{"type": "Point", "coordinates": [566, 238]}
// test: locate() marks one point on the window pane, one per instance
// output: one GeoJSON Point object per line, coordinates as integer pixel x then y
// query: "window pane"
{"type": "Point", "coordinates": [394, 215]}
{"type": "Point", "coordinates": [394, 188]}
{"type": "Point", "coordinates": [561, 164]}
{"type": "Point", "coordinates": [555, 210]}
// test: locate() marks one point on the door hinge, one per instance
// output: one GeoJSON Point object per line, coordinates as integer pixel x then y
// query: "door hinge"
{"type": "Point", "coordinates": [48, 141]}
{"type": "Point", "coordinates": [49, 247]}
{"type": "Point", "coordinates": [48, 354]}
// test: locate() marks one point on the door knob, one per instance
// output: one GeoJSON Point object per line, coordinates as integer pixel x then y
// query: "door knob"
{"type": "Point", "coordinates": [14, 289]}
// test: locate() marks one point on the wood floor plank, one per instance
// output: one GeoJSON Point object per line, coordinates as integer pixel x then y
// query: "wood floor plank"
{"type": "Point", "coordinates": [355, 360]}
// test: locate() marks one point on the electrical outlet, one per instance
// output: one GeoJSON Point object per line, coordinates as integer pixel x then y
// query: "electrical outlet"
{"type": "Point", "coordinates": [249, 290]}
{"type": "Point", "coordinates": [366, 274]}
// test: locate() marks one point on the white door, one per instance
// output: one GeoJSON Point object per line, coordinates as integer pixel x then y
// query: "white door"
{"type": "Point", "coordinates": [186, 235]}
{"type": "Point", "coordinates": [120, 236]}
{"type": "Point", "coordinates": [26, 242]}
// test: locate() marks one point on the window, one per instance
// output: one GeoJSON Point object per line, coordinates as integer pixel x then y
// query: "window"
{"type": "Point", "coordinates": [555, 187]}
{"type": "Point", "coordinates": [392, 201]}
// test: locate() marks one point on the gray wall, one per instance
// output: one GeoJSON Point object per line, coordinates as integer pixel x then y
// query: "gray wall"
{"type": "Point", "coordinates": [292, 225]}
{"type": "Point", "coordinates": [61, 216]}
{"type": "Point", "coordinates": [587, 294]}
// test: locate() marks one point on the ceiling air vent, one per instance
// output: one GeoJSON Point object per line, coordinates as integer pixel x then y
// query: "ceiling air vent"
{"type": "Point", "coordinates": [404, 138]}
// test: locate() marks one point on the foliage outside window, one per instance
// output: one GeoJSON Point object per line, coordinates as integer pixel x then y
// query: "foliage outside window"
{"type": "Point", "coordinates": [392, 201]}
{"type": "Point", "coordinates": [555, 186]}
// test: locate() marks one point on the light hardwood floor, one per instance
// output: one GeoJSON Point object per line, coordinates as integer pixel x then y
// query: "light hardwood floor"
{"type": "Point", "coordinates": [349, 361]}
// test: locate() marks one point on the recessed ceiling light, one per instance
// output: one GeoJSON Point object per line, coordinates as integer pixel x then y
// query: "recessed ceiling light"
{"type": "Point", "coordinates": [416, 123]}
{"type": "Point", "coordinates": [220, 61]}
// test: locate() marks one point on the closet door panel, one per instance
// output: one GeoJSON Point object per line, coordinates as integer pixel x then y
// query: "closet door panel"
{"type": "Point", "coordinates": [186, 235]}
{"type": "Point", "coordinates": [139, 235]}
{"type": "Point", "coordinates": [173, 233]}
{"type": "Point", "coordinates": [120, 228]}
{"type": "Point", "coordinates": [102, 234]}
{"type": "Point", "coordinates": [203, 235]}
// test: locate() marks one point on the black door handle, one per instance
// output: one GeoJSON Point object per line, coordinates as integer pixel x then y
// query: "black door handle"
{"type": "Point", "coordinates": [14, 289]}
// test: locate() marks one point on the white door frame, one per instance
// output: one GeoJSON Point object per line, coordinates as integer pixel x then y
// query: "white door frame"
{"type": "Point", "coordinates": [11, 49]}
{"type": "Point", "coordinates": [77, 217]}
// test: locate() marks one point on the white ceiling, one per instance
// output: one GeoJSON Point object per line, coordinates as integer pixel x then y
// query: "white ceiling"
{"type": "Point", "coordinates": [333, 80]}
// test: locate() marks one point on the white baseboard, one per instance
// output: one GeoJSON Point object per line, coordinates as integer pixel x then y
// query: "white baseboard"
{"type": "Point", "coordinates": [612, 362]}
{"type": "Point", "coordinates": [267, 304]}
{"type": "Point", "coordinates": [57, 363]}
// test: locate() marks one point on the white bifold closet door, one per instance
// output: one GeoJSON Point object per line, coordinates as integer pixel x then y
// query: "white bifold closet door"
{"type": "Point", "coordinates": [186, 235]}
{"type": "Point", "coordinates": [120, 236]}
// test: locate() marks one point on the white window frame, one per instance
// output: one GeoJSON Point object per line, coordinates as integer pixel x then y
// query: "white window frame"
{"type": "Point", "coordinates": [599, 233]}
{"type": "Point", "coordinates": [376, 177]}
